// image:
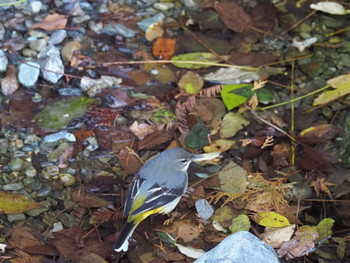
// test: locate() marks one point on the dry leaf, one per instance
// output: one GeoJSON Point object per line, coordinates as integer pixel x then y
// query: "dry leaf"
{"type": "Point", "coordinates": [164, 48]}
{"type": "Point", "coordinates": [52, 22]}
{"type": "Point", "coordinates": [321, 185]}
{"type": "Point", "coordinates": [233, 16]}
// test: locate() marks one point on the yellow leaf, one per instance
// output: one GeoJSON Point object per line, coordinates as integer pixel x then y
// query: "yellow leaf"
{"type": "Point", "coordinates": [272, 219]}
{"type": "Point", "coordinates": [12, 204]}
{"type": "Point", "coordinates": [341, 85]}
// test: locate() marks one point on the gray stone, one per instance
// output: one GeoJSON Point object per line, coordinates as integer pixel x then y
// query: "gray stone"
{"type": "Point", "coordinates": [17, 217]}
{"type": "Point", "coordinates": [16, 164]}
{"type": "Point", "coordinates": [13, 187]}
{"type": "Point", "coordinates": [36, 6]}
{"type": "Point", "coordinates": [44, 191]}
{"type": "Point", "coordinates": [242, 247]}
{"type": "Point", "coordinates": [28, 74]}
{"type": "Point", "coordinates": [144, 24]}
{"type": "Point", "coordinates": [37, 44]}
{"type": "Point", "coordinates": [57, 37]}
{"type": "Point", "coordinates": [51, 64]}
{"type": "Point", "coordinates": [3, 61]}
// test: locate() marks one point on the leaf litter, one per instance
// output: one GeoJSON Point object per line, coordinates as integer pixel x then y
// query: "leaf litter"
{"type": "Point", "coordinates": [191, 99]}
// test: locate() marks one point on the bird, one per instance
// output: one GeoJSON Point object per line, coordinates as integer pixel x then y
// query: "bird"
{"type": "Point", "coordinates": [156, 189]}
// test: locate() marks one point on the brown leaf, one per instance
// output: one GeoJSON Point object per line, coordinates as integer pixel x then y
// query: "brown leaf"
{"type": "Point", "coordinates": [314, 159]}
{"type": "Point", "coordinates": [52, 22]}
{"type": "Point", "coordinates": [9, 83]}
{"type": "Point", "coordinates": [188, 232]}
{"type": "Point", "coordinates": [318, 134]}
{"type": "Point", "coordinates": [88, 200]}
{"type": "Point", "coordinates": [129, 162]}
{"type": "Point", "coordinates": [156, 140]}
{"type": "Point", "coordinates": [233, 16]}
{"type": "Point", "coordinates": [281, 155]}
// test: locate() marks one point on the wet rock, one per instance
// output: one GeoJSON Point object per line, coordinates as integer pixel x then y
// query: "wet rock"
{"type": "Point", "coordinates": [16, 164]}
{"type": "Point", "coordinates": [17, 217]}
{"type": "Point", "coordinates": [80, 19]}
{"type": "Point", "coordinates": [163, 6]}
{"type": "Point", "coordinates": [239, 247]}
{"type": "Point", "coordinates": [38, 211]}
{"type": "Point", "coordinates": [67, 220]}
{"type": "Point", "coordinates": [38, 44]}
{"type": "Point", "coordinates": [29, 53]}
{"type": "Point", "coordinates": [13, 187]}
{"type": "Point", "coordinates": [55, 154]}
{"type": "Point", "coordinates": [3, 61]}
{"type": "Point", "coordinates": [36, 6]}
{"type": "Point", "coordinates": [113, 29]}
{"type": "Point", "coordinates": [95, 86]}
{"type": "Point", "coordinates": [57, 37]}
{"type": "Point", "coordinates": [35, 185]}
{"type": "Point", "coordinates": [67, 179]}
{"type": "Point", "coordinates": [144, 24]}
{"type": "Point", "coordinates": [44, 191]}
{"type": "Point", "coordinates": [30, 171]}
{"type": "Point", "coordinates": [52, 139]}
{"type": "Point", "coordinates": [51, 63]}
{"type": "Point", "coordinates": [28, 74]}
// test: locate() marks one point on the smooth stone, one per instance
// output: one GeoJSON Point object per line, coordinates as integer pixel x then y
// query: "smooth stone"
{"type": "Point", "coordinates": [144, 24]}
{"type": "Point", "coordinates": [3, 61]}
{"type": "Point", "coordinates": [113, 29]}
{"type": "Point", "coordinates": [240, 247]}
{"type": "Point", "coordinates": [67, 179]}
{"type": "Point", "coordinates": [17, 217]}
{"type": "Point", "coordinates": [16, 164]}
{"type": "Point", "coordinates": [32, 138]}
{"type": "Point", "coordinates": [44, 191]}
{"type": "Point", "coordinates": [163, 6]}
{"type": "Point", "coordinates": [38, 211]}
{"type": "Point", "coordinates": [38, 44]}
{"type": "Point", "coordinates": [57, 37]}
{"type": "Point", "coordinates": [28, 74]}
{"type": "Point", "coordinates": [36, 6]}
{"type": "Point", "coordinates": [35, 185]}
{"type": "Point", "coordinates": [30, 171]}
{"type": "Point", "coordinates": [52, 139]}
{"type": "Point", "coordinates": [67, 220]}
{"type": "Point", "coordinates": [80, 19]}
{"type": "Point", "coordinates": [70, 92]}
{"type": "Point", "coordinates": [52, 170]}
{"type": "Point", "coordinates": [13, 187]}
{"type": "Point", "coordinates": [51, 64]}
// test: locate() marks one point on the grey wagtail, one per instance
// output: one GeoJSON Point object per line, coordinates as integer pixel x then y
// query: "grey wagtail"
{"type": "Point", "coordinates": [157, 189]}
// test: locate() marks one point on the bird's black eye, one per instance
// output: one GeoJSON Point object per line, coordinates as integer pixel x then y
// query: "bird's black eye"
{"type": "Point", "coordinates": [183, 161]}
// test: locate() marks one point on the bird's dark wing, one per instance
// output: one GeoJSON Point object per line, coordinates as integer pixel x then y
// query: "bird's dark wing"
{"type": "Point", "coordinates": [157, 197]}
{"type": "Point", "coordinates": [132, 193]}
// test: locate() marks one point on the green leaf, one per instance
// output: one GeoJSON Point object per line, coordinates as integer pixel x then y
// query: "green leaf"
{"type": "Point", "coordinates": [163, 116]}
{"type": "Point", "coordinates": [165, 237]}
{"type": "Point", "coordinates": [197, 57]}
{"type": "Point", "coordinates": [231, 124]}
{"type": "Point", "coordinates": [236, 94]}
{"type": "Point", "coordinates": [197, 138]}
{"type": "Point", "coordinates": [341, 85]}
{"type": "Point", "coordinates": [191, 82]}
{"type": "Point", "coordinates": [59, 114]}
{"type": "Point", "coordinates": [240, 223]}
{"type": "Point", "coordinates": [324, 228]}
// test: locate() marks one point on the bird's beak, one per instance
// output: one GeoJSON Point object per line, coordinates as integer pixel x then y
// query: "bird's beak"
{"type": "Point", "coordinates": [205, 156]}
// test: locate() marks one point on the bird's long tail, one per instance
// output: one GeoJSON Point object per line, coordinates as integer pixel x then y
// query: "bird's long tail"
{"type": "Point", "coordinates": [122, 242]}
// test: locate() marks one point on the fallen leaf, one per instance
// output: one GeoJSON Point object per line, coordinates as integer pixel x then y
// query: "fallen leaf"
{"type": "Point", "coordinates": [141, 130]}
{"type": "Point", "coordinates": [221, 145]}
{"type": "Point", "coordinates": [232, 178]}
{"type": "Point", "coordinates": [204, 209]}
{"type": "Point", "coordinates": [89, 200]}
{"type": "Point", "coordinates": [52, 22]}
{"type": "Point", "coordinates": [187, 232]}
{"type": "Point", "coordinates": [332, 8]}
{"type": "Point", "coordinates": [154, 31]}
{"type": "Point", "coordinates": [275, 237]}
{"type": "Point", "coordinates": [272, 219]}
{"type": "Point", "coordinates": [240, 223]}
{"type": "Point", "coordinates": [12, 204]}
{"type": "Point", "coordinates": [198, 57]}
{"type": "Point", "coordinates": [9, 83]}
{"type": "Point", "coordinates": [164, 48]}
{"type": "Point", "coordinates": [231, 124]}
{"type": "Point", "coordinates": [233, 16]}
{"type": "Point", "coordinates": [318, 134]}
{"type": "Point", "coordinates": [191, 82]}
